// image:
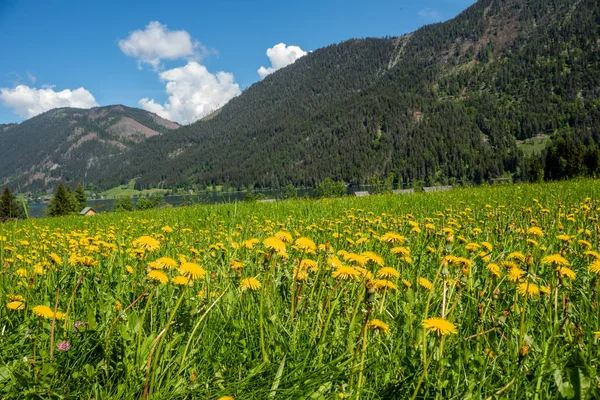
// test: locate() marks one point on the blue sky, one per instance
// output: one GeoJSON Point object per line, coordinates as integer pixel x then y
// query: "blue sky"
{"type": "Point", "coordinates": [51, 48]}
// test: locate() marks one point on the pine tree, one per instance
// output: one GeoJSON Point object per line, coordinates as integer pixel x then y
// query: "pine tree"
{"type": "Point", "coordinates": [80, 197]}
{"type": "Point", "coordinates": [61, 203]}
{"type": "Point", "coordinates": [73, 203]}
{"type": "Point", "coordinates": [9, 208]}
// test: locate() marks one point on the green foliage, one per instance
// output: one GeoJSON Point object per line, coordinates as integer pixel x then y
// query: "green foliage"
{"type": "Point", "coordinates": [62, 203]}
{"type": "Point", "coordinates": [144, 203]}
{"type": "Point", "coordinates": [123, 204]}
{"type": "Point", "coordinates": [289, 192]}
{"type": "Point", "coordinates": [9, 207]}
{"type": "Point", "coordinates": [330, 188]}
{"type": "Point", "coordinates": [80, 197]}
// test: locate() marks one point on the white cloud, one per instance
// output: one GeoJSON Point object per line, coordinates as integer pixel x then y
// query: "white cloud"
{"type": "Point", "coordinates": [280, 56]}
{"type": "Point", "coordinates": [430, 13]}
{"type": "Point", "coordinates": [156, 43]}
{"type": "Point", "coordinates": [28, 102]}
{"type": "Point", "coordinates": [193, 92]}
{"type": "Point", "coordinates": [31, 77]}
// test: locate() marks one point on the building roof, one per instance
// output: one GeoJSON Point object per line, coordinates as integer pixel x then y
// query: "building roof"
{"type": "Point", "coordinates": [86, 210]}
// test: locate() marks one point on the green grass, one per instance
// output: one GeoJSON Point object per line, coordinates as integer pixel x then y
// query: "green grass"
{"type": "Point", "coordinates": [311, 337]}
{"type": "Point", "coordinates": [129, 190]}
{"type": "Point", "coordinates": [533, 145]}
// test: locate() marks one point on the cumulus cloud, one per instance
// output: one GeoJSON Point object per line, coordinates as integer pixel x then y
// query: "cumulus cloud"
{"type": "Point", "coordinates": [194, 92]}
{"type": "Point", "coordinates": [430, 13]}
{"type": "Point", "coordinates": [157, 42]}
{"type": "Point", "coordinates": [28, 102]}
{"type": "Point", "coordinates": [280, 56]}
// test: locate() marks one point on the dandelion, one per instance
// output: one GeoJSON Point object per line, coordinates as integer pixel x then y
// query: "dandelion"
{"type": "Point", "coordinates": [379, 326]}
{"type": "Point", "coordinates": [192, 270]}
{"type": "Point", "coordinates": [556, 260]}
{"type": "Point", "coordinates": [373, 257]}
{"type": "Point", "coordinates": [357, 259]}
{"type": "Point", "coordinates": [118, 305]}
{"type": "Point", "coordinates": [300, 274]}
{"type": "Point", "coordinates": [440, 325]}
{"type": "Point", "coordinates": [275, 244]}
{"type": "Point", "coordinates": [426, 283]}
{"type": "Point", "coordinates": [406, 283]}
{"type": "Point", "coordinates": [564, 271]}
{"type": "Point", "coordinates": [284, 236]}
{"type": "Point", "coordinates": [226, 398]}
{"type": "Point", "coordinates": [401, 251]}
{"type": "Point", "coordinates": [15, 305]}
{"type": "Point", "coordinates": [494, 269]}
{"type": "Point", "coordinates": [147, 243]}
{"type": "Point", "coordinates": [129, 269]}
{"type": "Point", "coordinates": [385, 284]}
{"type": "Point", "coordinates": [565, 238]}
{"type": "Point", "coordinates": [158, 276]}
{"type": "Point", "coordinates": [250, 283]}
{"type": "Point", "coordinates": [545, 290]}
{"type": "Point", "coordinates": [46, 312]}
{"type": "Point", "coordinates": [392, 237]}
{"type": "Point", "coordinates": [488, 246]}
{"type": "Point", "coordinates": [592, 254]}
{"type": "Point", "coordinates": [594, 268]}
{"type": "Point", "coordinates": [528, 288]}
{"type": "Point", "coordinates": [181, 280]}
{"type": "Point", "coordinates": [471, 247]}
{"type": "Point", "coordinates": [597, 334]}
{"type": "Point", "coordinates": [535, 231]}
{"type": "Point", "coordinates": [55, 258]}
{"type": "Point", "coordinates": [516, 255]}
{"type": "Point", "coordinates": [532, 243]}
{"type": "Point", "coordinates": [514, 274]}
{"type": "Point", "coordinates": [15, 297]}
{"type": "Point", "coordinates": [165, 262]}
{"type": "Point", "coordinates": [584, 244]}
{"type": "Point", "coordinates": [344, 272]}
{"type": "Point", "coordinates": [388, 272]}
{"type": "Point", "coordinates": [306, 244]}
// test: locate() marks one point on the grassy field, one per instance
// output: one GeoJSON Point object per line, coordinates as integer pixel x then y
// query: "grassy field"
{"type": "Point", "coordinates": [533, 145]}
{"type": "Point", "coordinates": [129, 190]}
{"type": "Point", "coordinates": [490, 292]}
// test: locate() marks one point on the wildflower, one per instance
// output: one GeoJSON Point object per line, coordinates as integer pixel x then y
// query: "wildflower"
{"type": "Point", "coordinates": [334, 261]}
{"type": "Point", "coordinates": [181, 280]}
{"type": "Point", "coordinates": [55, 259]}
{"type": "Point", "coordinates": [488, 246]}
{"type": "Point", "coordinates": [275, 244]}
{"type": "Point", "coordinates": [532, 243]}
{"type": "Point", "coordinates": [237, 266]}
{"type": "Point", "coordinates": [129, 269]}
{"type": "Point", "coordinates": [565, 238]}
{"type": "Point", "coordinates": [471, 247]}
{"type": "Point", "coordinates": [300, 274]}
{"type": "Point", "coordinates": [167, 229]}
{"type": "Point", "coordinates": [373, 257]}
{"type": "Point", "coordinates": [165, 262]}
{"type": "Point", "coordinates": [15, 297]}
{"type": "Point", "coordinates": [401, 251]}
{"type": "Point", "coordinates": [284, 236]}
{"type": "Point", "coordinates": [406, 283]}
{"type": "Point", "coordinates": [516, 255]}
{"type": "Point", "coordinates": [494, 269]}
{"type": "Point", "coordinates": [379, 326]}
{"type": "Point", "coordinates": [158, 276]}
{"type": "Point", "coordinates": [392, 237]}
{"type": "Point", "coordinates": [46, 312]}
{"type": "Point", "coordinates": [585, 244]}
{"type": "Point", "coordinates": [309, 264]}
{"type": "Point", "coordinates": [556, 260]}
{"type": "Point", "coordinates": [597, 334]}
{"type": "Point", "coordinates": [250, 243]}
{"type": "Point", "coordinates": [426, 283]}
{"type": "Point", "coordinates": [306, 244]}
{"type": "Point", "coordinates": [22, 272]}
{"type": "Point", "coordinates": [79, 326]}
{"type": "Point", "coordinates": [528, 288]}
{"type": "Point", "coordinates": [568, 272]}
{"type": "Point", "coordinates": [385, 284]}
{"type": "Point", "coordinates": [226, 398]}
{"type": "Point", "coordinates": [118, 305]}
{"type": "Point", "coordinates": [545, 289]}
{"type": "Point", "coordinates": [535, 231]}
{"type": "Point", "coordinates": [594, 268]}
{"type": "Point", "coordinates": [344, 272]}
{"type": "Point", "coordinates": [147, 243]}
{"type": "Point", "coordinates": [15, 305]}
{"type": "Point", "coordinates": [192, 270]}
{"type": "Point", "coordinates": [250, 283]}
{"type": "Point", "coordinates": [356, 258]}
{"type": "Point", "coordinates": [63, 346]}
{"type": "Point", "coordinates": [388, 272]}
{"type": "Point", "coordinates": [592, 254]}
{"type": "Point", "coordinates": [514, 274]}
{"type": "Point", "coordinates": [440, 325]}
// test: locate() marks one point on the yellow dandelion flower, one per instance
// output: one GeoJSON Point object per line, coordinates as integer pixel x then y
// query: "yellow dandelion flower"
{"type": "Point", "coordinates": [556, 260]}
{"type": "Point", "coordinates": [46, 312]}
{"type": "Point", "coordinates": [516, 255]}
{"type": "Point", "coordinates": [532, 243]}
{"type": "Point", "coordinates": [309, 264]}
{"type": "Point", "coordinates": [167, 229]}
{"type": "Point", "coordinates": [401, 251]}
{"type": "Point", "coordinates": [300, 274]}
{"type": "Point", "coordinates": [384, 284]}
{"type": "Point", "coordinates": [535, 231]}
{"type": "Point", "coordinates": [471, 247]}
{"type": "Point", "coordinates": [488, 246]}
{"type": "Point", "coordinates": [345, 272]}
{"type": "Point", "coordinates": [158, 276]}
{"type": "Point", "coordinates": [166, 262]}
{"type": "Point", "coordinates": [426, 283]}
{"type": "Point", "coordinates": [528, 288]}
{"type": "Point", "coordinates": [275, 244]}
{"type": "Point", "coordinates": [55, 258]}
{"type": "Point", "coordinates": [388, 272]}
{"type": "Point", "coordinates": [334, 261]}
{"type": "Point", "coordinates": [597, 334]}
{"type": "Point", "coordinates": [440, 325]}
{"type": "Point", "coordinates": [357, 259]}
{"type": "Point", "coordinates": [373, 257]}
{"type": "Point", "coordinates": [392, 237]}
{"type": "Point", "coordinates": [284, 236]}
{"type": "Point", "coordinates": [568, 272]}
{"type": "Point", "coordinates": [181, 280]}
{"type": "Point", "coordinates": [192, 270]}
{"type": "Point", "coordinates": [406, 283]}
{"type": "Point", "coordinates": [237, 266]}
{"type": "Point", "coordinates": [592, 254]}
{"type": "Point", "coordinates": [306, 244]}
{"type": "Point", "coordinates": [15, 297]}
{"type": "Point", "coordinates": [226, 398]}
{"type": "Point", "coordinates": [379, 325]}
{"type": "Point", "coordinates": [514, 274]}
{"type": "Point", "coordinates": [15, 305]}
{"type": "Point", "coordinates": [118, 305]}
{"type": "Point", "coordinates": [494, 269]}
{"type": "Point", "coordinates": [22, 272]}
{"type": "Point", "coordinates": [250, 243]}
{"type": "Point", "coordinates": [565, 238]}
{"type": "Point", "coordinates": [129, 269]}
{"type": "Point", "coordinates": [545, 289]}
{"type": "Point", "coordinates": [147, 243]}
{"type": "Point", "coordinates": [594, 268]}
{"type": "Point", "coordinates": [250, 283]}
{"type": "Point", "coordinates": [584, 243]}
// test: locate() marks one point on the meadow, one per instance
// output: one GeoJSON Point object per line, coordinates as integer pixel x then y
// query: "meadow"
{"type": "Point", "coordinates": [489, 292]}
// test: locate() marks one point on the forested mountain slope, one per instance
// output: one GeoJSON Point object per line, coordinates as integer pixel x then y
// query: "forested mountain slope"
{"type": "Point", "coordinates": [65, 143]}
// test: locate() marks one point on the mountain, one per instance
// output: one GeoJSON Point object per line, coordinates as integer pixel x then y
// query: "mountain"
{"type": "Point", "coordinates": [66, 143]}
{"type": "Point", "coordinates": [450, 102]}
{"type": "Point", "coordinates": [447, 102]}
